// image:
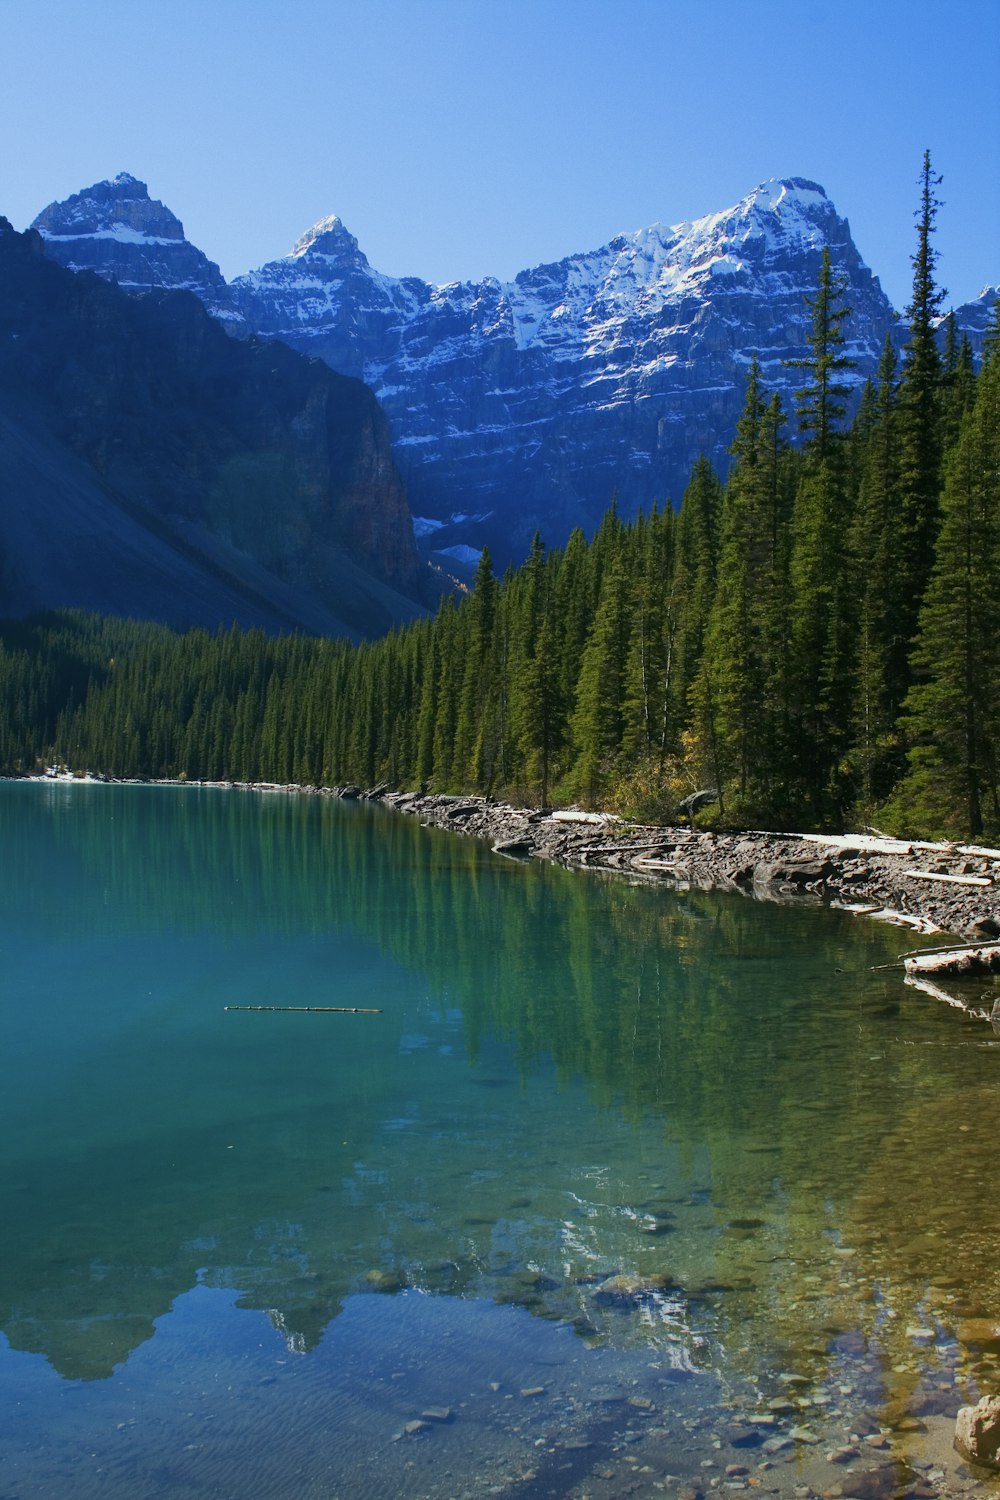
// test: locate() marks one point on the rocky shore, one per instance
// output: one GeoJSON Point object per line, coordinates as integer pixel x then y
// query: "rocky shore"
{"type": "Point", "coordinates": [947, 888]}
{"type": "Point", "coordinates": [953, 889]}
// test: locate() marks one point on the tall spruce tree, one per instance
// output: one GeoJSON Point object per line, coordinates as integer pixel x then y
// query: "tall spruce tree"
{"type": "Point", "coordinates": [958, 383]}
{"type": "Point", "coordinates": [449, 642]}
{"type": "Point", "coordinates": [472, 751]}
{"type": "Point", "coordinates": [739, 696]}
{"type": "Point", "coordinates": [575, 599]}
{"type": "Point", "coordinates": [920, 413]}
{"type": "Point", "coordinates": [821, 605]}
{"type": "Point", "coordinates": [537, 706]}
{"type": "Point", "coordinates": [693, 589]}
{"type": "Point", "coordinates": [953, 710]}
{"type": "Point", "coordinates": [822, 403]}
{"type": "Point", "coordinates": [652, 713]}
{"type": "Point", "coordinates": [882, 659]}
{"type": "Point", "coordinates": [598, 718]}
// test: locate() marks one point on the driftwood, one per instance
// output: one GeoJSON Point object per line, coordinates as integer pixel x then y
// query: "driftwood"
{"type": "Point", "coordinates": [948, 879]}
{"type": "Point", "coordinates": [958, 961]}
{"type": "Point", "coordinates": [862, 844]}
{"type": "Point", "coordinates": [572, 816]}
{"type": "Point", "coordinates": [340, 1010]}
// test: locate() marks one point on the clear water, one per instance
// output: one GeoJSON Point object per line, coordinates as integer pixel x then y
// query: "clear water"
{"type": "Point", "coordinates": [243, 1253]}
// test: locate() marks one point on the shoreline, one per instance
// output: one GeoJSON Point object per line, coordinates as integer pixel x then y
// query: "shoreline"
{"type": "Point", "coordinates": [926, 887]}
{"type": "Point", "coordinates": [947, 888]}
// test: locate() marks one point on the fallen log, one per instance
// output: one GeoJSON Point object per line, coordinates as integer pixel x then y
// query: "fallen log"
{"type": "Point", "coordinates": [948, 879]}
{"type": "Point", "coordinates": [572, 816]}
{"type": "Point", "coordinates": [861, 844]}
{"type": "Point", "coordinates": [340, 1010]}
{"type": "Point", "coordinates": [957, 961]}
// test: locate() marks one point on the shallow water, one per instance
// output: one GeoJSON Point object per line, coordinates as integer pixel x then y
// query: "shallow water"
{"type": "Point", "coordinates": [243, 1253]}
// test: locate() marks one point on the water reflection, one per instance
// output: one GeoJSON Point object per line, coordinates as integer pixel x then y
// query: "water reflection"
{"type": "Point", "coordinates": [573, 1079]}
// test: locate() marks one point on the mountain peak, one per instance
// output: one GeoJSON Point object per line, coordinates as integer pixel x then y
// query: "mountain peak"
{"type": "Point", "coordinates": [120, 208]}
{"type": "Point", "coordinates": [788, 198]}
{"type": "Point", "coordinates": [329, 237]}
{"type": "Point", "coordinates": [800, 187]}
{"type": "Point", "coordinates": [780, 213]}
{"type": "Point", "coordinates": [116, 229]}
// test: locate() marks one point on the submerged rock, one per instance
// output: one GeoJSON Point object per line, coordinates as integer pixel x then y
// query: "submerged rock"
{"type": "Point", "coordinates": [981, 1334]}
{"type": "Point", "coordinates": [977, 1433]}
{"type": "Point", "coordinates": [386, 1281]}
{"type": "Point", "coordinates": [870, 1484]}
{"type": "Point", "coordinates": [628, 1291]}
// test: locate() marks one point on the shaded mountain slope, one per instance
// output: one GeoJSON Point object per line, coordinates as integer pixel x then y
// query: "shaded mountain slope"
{"type": "Point", "coordinates": [66, 541]}
{"type": "Point", "coordinates": [151, 465]}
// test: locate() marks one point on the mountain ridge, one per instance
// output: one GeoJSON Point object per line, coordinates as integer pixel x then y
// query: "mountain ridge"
{"type": "Point", "coordinates": [525, 404]}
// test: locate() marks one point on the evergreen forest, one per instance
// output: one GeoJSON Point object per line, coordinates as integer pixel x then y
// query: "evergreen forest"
{"type": "Point", "coordinates": [817, 639]}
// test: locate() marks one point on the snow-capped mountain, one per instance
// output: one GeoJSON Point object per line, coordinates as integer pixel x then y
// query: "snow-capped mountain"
{"type": "Point", "coordinates": [523, 404]}
{"type": "Point", "coordinates": [528, 403]}
{"type": "Point", "coordinates": [974, 318]}
{"type": "Point", "coordinates": [117, 230]}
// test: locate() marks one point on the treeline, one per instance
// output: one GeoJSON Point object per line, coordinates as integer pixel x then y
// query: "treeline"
{"type": "Point", "coordinates": [818, 639]}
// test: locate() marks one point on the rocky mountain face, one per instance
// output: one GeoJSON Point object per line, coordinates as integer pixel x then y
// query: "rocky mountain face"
{"type": "Point", "coordinates": [529, 403]}
{"type": "Point", "coordinates": [152, 463]}
{"type": "Point", "coordinates": [117, 230]}
{"type": "Point", "coordinates": [524, 404]}
{"type": "Point", "coordinates": [974, 318]}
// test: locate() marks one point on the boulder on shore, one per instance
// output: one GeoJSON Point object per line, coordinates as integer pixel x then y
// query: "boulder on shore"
{"type": "Point", "coordinates": [977, 1432]}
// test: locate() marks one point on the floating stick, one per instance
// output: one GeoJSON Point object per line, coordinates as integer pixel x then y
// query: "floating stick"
{"type": "Point", "coordinates": [341, 1010]}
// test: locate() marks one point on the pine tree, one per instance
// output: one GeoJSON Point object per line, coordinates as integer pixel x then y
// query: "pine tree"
{"type": "Point", "coordinates": [597, 719]}
{"type": "Point", "coordinates": [920, 414]}
{"type": "Point", "coordinates": [430, 689]}
{"type": "Point", "coordinates": [449, 646]}
{"type": "Point", "coordinates": [882, 659]}
{"type": "Point", "coordinates": [822, 403]}
{"type": "Point", "coordinates": [958, 383]}
{"type": "Point", "coordinates": [651, 711]}
{"type": "Point", "coordinates": [478, 686]}
{"type": "Point", "coordinates": [821, 604]}
{"type": "Point", "coordinates": [953, 710]}
{"type": "Point", "coordinates": [693, 587]}
{"type": "Point", "coordinates": [740, 693]}
{"type": "Point", "coordinates": [575, 599]}
{"type": "Point", "coordinates": [536, 704]}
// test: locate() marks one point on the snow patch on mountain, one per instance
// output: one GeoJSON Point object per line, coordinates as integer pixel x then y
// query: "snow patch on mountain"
{"type": "Point", "coordinates": [425, 526]}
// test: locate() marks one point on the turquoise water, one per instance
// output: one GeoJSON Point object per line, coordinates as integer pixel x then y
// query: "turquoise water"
{"type": "Point", "coordinates": [244, 1253]}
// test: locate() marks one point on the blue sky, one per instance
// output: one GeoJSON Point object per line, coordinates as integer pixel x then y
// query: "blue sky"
{"type": "Point", "coordinates": [463, 138]}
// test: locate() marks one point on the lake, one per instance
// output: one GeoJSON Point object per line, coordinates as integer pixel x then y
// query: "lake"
{"type": "Point", "coordinates": [622, 1190]}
